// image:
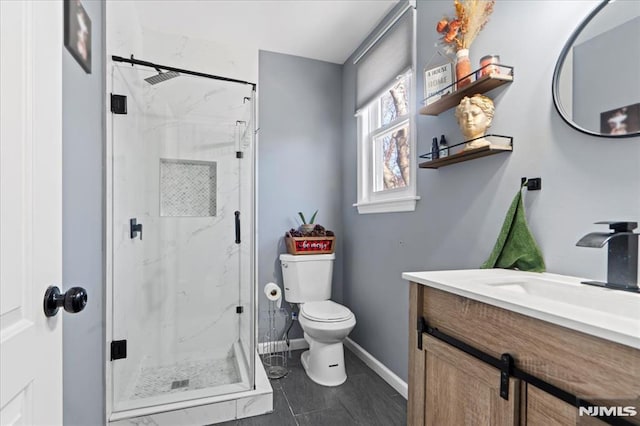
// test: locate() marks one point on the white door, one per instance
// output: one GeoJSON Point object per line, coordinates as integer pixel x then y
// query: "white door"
{"type": "Point", "coordinates": [30, 210]}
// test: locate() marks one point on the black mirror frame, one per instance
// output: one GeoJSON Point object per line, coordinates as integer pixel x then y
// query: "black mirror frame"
{"type": "Point", "coordinates": [556, 77]}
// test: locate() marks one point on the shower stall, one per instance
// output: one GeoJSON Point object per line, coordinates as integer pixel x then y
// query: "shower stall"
{"type": "Point", "coordinates": [180, 282]}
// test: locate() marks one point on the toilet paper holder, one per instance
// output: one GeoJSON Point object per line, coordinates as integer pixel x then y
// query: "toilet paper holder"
{"type": "Point", "coordinates": [274, 350]}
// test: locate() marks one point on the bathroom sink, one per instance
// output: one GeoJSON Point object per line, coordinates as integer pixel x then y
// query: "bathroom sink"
{"type": "Point", "coordinates": [558, 299]}
{"type": "Point", "coordinates": [574, 294]}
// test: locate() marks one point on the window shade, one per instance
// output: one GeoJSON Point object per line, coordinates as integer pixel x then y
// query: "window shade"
{"type": "Point", "coordinates": [386, 59]}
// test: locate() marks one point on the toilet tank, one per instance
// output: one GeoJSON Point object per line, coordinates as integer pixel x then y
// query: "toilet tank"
{"type": "Point", "coordinates": [307, 278]}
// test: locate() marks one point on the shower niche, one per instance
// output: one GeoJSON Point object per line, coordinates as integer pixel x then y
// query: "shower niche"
{"type": "Point", "coordinates": [187, 188]}
{"type": "Point", "coordinates": [180, 292]}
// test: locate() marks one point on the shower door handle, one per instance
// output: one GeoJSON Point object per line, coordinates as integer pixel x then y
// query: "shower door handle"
{"type": "Point", "coordinates": [237, 213]}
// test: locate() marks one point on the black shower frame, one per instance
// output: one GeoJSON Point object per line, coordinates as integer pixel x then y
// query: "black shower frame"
{"type": "Point", "coordinates": [134, 61]}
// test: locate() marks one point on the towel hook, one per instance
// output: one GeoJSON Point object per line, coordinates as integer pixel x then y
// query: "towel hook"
{"type": "Point", "coordinates": [532, 184]}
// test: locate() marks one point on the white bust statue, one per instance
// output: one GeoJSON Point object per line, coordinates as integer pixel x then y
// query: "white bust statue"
{"type": "Point", "coordinates": [474, 115]}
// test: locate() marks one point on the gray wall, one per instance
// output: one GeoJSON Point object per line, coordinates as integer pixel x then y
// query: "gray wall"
{"type": "Point", "coordinates": [299, 157]}
{"type": "Point", "coordinates": [82, 220]}
{"type": "Point", "coordinates": [456, 222]}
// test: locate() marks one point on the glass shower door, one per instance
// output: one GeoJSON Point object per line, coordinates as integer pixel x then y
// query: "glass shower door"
{"type": "Point", "coordinates": [179, 293]}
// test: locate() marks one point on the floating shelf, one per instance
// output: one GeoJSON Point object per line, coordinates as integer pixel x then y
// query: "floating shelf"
{"type": "Point", "coordinates": [465, 156]}
{"type": "Point", "coordinates": [471, 154]}
{"type": "Point", "coordinates": [481, 85]}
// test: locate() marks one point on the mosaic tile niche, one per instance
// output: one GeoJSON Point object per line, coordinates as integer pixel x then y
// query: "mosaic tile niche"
{"type": "Point", "coordinates": [187, 188]}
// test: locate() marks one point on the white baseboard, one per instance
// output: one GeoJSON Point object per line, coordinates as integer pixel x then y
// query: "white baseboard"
{"type": "Point", "coordinates": [387, 375]}
{"type": "Point", "coordinates": [281, 345]}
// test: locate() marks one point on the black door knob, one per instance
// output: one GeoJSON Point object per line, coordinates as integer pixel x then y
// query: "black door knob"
{"type": "Point", "coordinates": [73, 301]}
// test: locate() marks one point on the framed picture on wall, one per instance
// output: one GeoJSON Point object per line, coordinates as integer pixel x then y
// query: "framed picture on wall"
{"type": "Point", "coordinates": [621, 120]}
{"type": "Point", "coordinates": [77, 33]}
{"type": "Point", "coordinates": [438, 81]}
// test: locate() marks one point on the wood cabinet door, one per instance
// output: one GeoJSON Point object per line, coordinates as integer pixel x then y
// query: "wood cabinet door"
{"type": "Point", "coordinates": [462, 390]}
{"type": "Point", "coordinates": [544, 409]}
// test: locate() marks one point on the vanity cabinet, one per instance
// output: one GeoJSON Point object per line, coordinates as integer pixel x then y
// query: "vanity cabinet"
{"type": "Point", "coordinates": [450, 387]}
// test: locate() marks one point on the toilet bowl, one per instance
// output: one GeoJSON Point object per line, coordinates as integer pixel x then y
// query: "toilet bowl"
{"type": "Point", "coordinates": [307, 283]}
{"type": "Point", "coordinates": [325, 324]}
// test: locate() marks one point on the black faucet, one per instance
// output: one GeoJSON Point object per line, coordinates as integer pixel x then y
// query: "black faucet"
{"type": "Point", "coordinates": [622, 265]}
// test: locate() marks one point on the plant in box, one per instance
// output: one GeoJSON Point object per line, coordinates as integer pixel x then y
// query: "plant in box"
{"type": "Point", "coordinates": [310, 238]}
{"type": "Point", "coordinates": [307, 227]}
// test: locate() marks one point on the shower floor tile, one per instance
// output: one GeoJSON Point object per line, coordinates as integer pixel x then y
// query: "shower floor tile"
{"type": "Point", "coordinates": [184, 376]}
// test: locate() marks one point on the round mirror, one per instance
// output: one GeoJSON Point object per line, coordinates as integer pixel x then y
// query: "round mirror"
{"type": "Point", "coordinates": [596, 82]}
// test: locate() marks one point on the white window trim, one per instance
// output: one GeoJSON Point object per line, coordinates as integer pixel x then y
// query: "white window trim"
{"type": "Point", "coordinates": [391, 201]}
{"type": "Point", "coordinates": [404, 204]}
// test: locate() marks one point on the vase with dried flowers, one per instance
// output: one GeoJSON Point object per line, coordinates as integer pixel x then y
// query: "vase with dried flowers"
{"type": "Point", "coordinates": [458, 33]}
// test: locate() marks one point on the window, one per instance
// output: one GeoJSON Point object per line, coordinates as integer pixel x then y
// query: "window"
{"type": "Point", "coordinates": [389, 133]}
{"type": "Point", "coordinates": [386, 161]}
{"type": "Point", "coordinates": [385, 111]}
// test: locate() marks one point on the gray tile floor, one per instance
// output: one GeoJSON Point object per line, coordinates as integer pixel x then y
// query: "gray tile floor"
{"type": "Point", "coordinates": [364, 399]}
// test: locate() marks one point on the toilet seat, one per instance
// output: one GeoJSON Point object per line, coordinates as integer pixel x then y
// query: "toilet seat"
{"type": "Point", "coordinates": [325, 311]}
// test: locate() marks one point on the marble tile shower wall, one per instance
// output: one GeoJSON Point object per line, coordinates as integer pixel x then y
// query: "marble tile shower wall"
{"type": "Point", "coordinates": [176, 290]}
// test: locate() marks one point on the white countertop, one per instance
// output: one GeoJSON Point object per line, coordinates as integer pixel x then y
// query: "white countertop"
{"type": "Point", "coordinates": [609, 314]}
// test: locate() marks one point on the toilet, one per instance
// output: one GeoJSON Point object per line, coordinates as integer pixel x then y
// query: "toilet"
{"type": "Point", "coordinates": [307, 282]}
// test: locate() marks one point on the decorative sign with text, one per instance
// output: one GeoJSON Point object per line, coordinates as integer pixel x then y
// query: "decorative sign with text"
{"type": "Point", "coordinates": [310, 245]}
{"type": "Point", "coordinates": [438, 81]}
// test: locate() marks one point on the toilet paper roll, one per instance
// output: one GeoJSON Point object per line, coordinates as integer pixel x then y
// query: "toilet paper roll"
{"type": "Point", "coordinates": [273, 293]}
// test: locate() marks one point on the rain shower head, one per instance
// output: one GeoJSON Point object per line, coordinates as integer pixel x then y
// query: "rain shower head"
{"type": "Point", "coordinates": [162, 76]}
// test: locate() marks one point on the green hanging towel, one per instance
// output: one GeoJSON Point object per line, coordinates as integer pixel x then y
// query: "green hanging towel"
{"type": "Point", "coordinates": [516, 248]}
